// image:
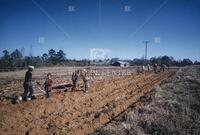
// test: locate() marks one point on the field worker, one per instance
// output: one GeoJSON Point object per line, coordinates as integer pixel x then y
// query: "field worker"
{"type": "Point", "coordinates": [148, 67]}
{"type": "Point", "coordinates": [93, 74]}
{"type": "Point", "coordinates": [143, 69]}
{"type": "Point", "coordinates": [155, 66]}
{"type": "Point", "coordinates": [28, 85]}
{"type": "Point", "coordinates": [162, 67]}
{"type": "Point", "coordinates": [85, 80]}
{"type": "Point", "coordinates": [138, 70]}
{"type": "Point", "coordinates": [48, 84]}
{"type": "Point", "coordinates": [167, 66]}
{"type": "Point", "coordinates": [75, 79]}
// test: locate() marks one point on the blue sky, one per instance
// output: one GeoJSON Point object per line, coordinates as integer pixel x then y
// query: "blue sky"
{"type": "Point", "coordinates": [117, 25]}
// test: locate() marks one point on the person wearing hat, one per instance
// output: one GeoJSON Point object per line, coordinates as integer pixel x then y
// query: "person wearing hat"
{"type": "Point", "coordinates": [28, 86]}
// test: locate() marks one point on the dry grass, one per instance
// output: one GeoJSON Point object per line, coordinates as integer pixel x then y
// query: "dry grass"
{"type": "Point", "coordinates": [173, 108]}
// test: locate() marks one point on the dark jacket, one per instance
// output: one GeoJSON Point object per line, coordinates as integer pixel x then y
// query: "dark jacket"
{"type": "Point", "coordinates": [28, 78]}
{"type": "Point", "coordinates": [74, 77]}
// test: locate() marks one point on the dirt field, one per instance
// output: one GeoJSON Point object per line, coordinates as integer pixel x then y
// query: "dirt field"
{"type": "Point", "coordinates": [171, 108]}
{"type": "Point", "coordinates": [76, 112]}
{"type": "Point", "coordinates": [11, 82]}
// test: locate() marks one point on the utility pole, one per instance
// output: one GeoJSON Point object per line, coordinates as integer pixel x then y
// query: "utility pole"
{"type": "Point", "coordinates": [145, 58]}
{"type": "Point", "coordinates": [31, 51]}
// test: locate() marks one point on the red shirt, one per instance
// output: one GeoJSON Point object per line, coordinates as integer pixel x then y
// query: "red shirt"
{"type": "Point", "coordinates": [49, 83]}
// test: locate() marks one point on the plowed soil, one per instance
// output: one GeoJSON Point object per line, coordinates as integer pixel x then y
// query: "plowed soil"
{"type": "Point", "coordinates": [76, 113]}
{"type": "Point", "coordinates": [172, 108]}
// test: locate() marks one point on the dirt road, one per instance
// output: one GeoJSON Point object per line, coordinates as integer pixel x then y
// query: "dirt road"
{"type": "Point", "coordinates": [76, 112]}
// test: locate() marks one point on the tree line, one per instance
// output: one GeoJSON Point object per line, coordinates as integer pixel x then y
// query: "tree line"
{"type": "Point", "coordinates": [15, 59]}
